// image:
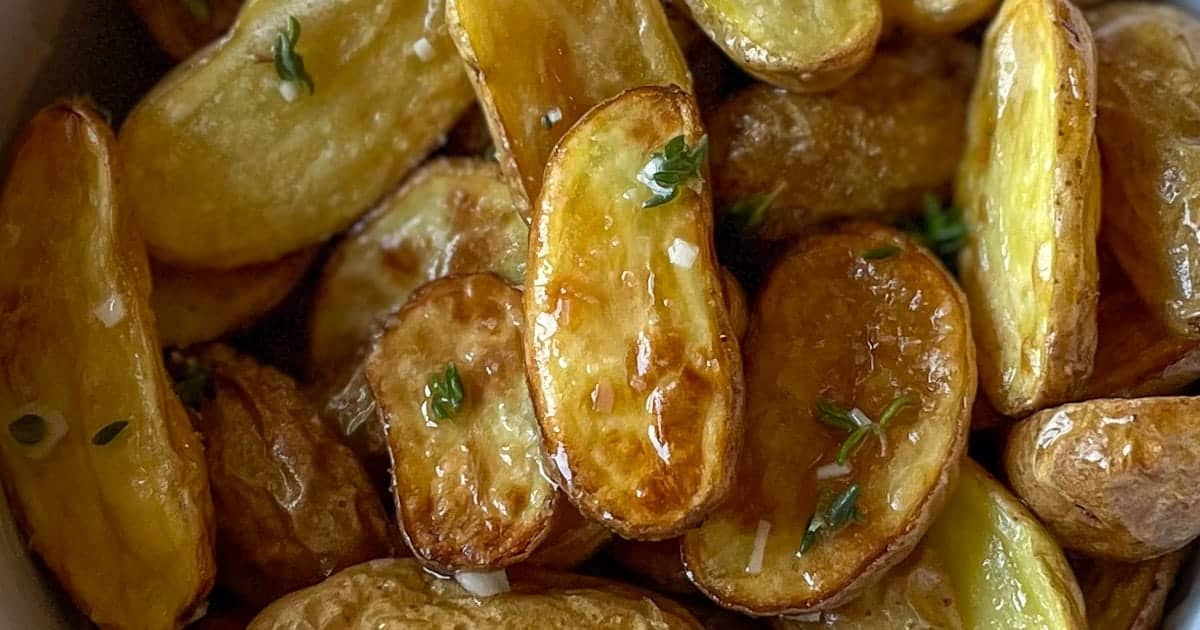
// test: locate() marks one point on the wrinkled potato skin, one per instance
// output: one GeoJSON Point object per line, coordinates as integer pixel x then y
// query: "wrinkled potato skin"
{"type": "Point", "coordinates": [655, 562]}
{"type": "Point", "coordinates": [848, 153]}
{"type": "Point", "coordinates": [1147, 119]}
{"type": "Point", "coordinates": [399, 594]}
{"type": "Point", "coordinates": [180, 33]}
{"type": "Point", "coordinates": [572, 540]}
{"type": "Point", "coordinates": [196, 305]}
{"type": "Point", "coordinates": [293, 505]}
{"type": "Point", "coordinates": [1112, 478]}
{"type": "Point", "coordinates": [937, 17]}
{"type": "Point", "coordinates": [126, 527]}
{"type": "Point", "coordinates": [1123, 596]}
{"type": "Point", "coordinates": [222, 171]}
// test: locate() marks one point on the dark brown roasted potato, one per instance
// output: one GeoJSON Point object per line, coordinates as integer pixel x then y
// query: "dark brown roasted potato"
{"type": "Point", "coordinates": [182, 27]}
{"type": "Point", "coordinates": [1121, 596]}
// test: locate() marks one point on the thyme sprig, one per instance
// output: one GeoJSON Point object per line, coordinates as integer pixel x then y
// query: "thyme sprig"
{"type": "Point", "coordinates": [672, 167]}
{"type": "Point", "coordinates": [857, 424]}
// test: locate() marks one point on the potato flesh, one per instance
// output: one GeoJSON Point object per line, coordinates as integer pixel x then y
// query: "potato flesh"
{"type": "Point", "coordinates": [471, 490]}
{"type": "Point", "coordinates": [223, 171]}
{"type": "Point", "coordinates": [529, 59]}
{"type": "Point", "coordinates": [1029, 187]}
{"type": "Point", "coordinates": [1123, 596]}
{"type": "Point", "coordinates": [938, 17]}
{"type": "Point", "coordinates": [831, 325]}
{"type": "Point", "coordinates": [177, 30]}
{"type": "Point", "coordinates": [127, 526]}
{"type": "Point", "coordinates": [632, 360]}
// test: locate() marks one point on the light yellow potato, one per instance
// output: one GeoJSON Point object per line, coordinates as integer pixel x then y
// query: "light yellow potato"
{"type": "Point", "coordinates": [1029, 185]}
{"type": "Point", "coordinates": [938, 17]}
{"type": "Point", "coordinates": [222, 170]}
{"type": "Point", "coordinates": [123, 519]}
{"type": "Point", "coordinates": [802, 45]}
{"type": "Point", "coordinates": [181, 27]}
{"type": "Point", "coordinates": [538, 66]}
{"type": "Point", "coordinates": [1122, 596]}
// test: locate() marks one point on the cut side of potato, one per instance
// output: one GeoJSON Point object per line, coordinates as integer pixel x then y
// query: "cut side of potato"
{"type": "Point", "coordinates": [1030, 189]}
{"type": "Point", "coordinates": [100, 463]}
{"type": "Point", "coordinates": [1148, 113]}
{"type": "Point", "coordinates": [864, 325]}
{"type": "Point", "coordinates": [802, 45]}
{"type": "Point", "coordinates": [937, 17]}
{"type": "Point", "coordinates": [227, 163]}
{"type": "Point", "coordinates": [182, 27]}
{"type": "Point", "coordinates": [196, 305]}
{"type": "Point", "coordinates": [467, 462]}
{"type": "Point", "coordinates": [656, 562]}
{"type": "Point", "coordinates": [1112, 478]}
{"type": "Point", "coordinates": [1122, 596]}
{"type": "Point", "coordinates": [400, 592]}
{"type": "Point", "coordinates": [572, 540]}
{"type": "Point", "coordinates": [293, 505]}
{"type": "Point", "coordinates": [632, 360]}
{"type": "Point", "coordinates": [538, 66]}
{"type": "Point", "coordinates": [848, 153]}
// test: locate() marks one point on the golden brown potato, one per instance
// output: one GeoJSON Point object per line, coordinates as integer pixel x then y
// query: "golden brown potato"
{"type": "Point", "coordinates": [349, 408]}
{"type": "Point", "coordinates": [848, 153]}
{"type": "Point", "coordinates": [1122, 596]}
{"type": "Point", "coordinates": [181, 27]}
{"type": "Point", "coordinates": [633, 362]}
{"type": "Point", "coordinates": [227, 163]}
{"type": "Point", "coordinates": [937, 17]}
{"type": "Point", "coordinates": [1029, 186]}
{"type": "Point", "coordinates": [713, 74]}
{"type": "Point", "coordinates": [407, 597]}
{"type": "Point", "coordinates": [293, 505]}
{"type": "Point", "coordinates": [195, 305]}
{"type": "Point", "coordinates": [467, 462]}
{"type": "Point", "coordinates": [538, 66]}
{"type": "Point", "coordinates": [1148, 68]}
{"type": "Point", "coordinates": [735, 303]}
{"type": "Point", "coordinates": [864, 329]}
{"type": "Point", "coordinates": [572, 540]}
{"type": "Point", "coordinates": [99, 461]}
{"type": "Point", "coordinates": [802, 45]}
{"type": "Point", "coordinates": [1113, 478]}
{"type": "Point", "coordinates": [657, 562]}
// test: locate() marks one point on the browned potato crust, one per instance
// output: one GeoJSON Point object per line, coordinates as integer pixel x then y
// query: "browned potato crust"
{"type": "Point", "coordinates": [1113, 478]}
{"type": "Point", "coordinates": [123, 520]}
{"type": "Point", "coordinates": [572, 540]}
{"type": "Point", "coordinates": [293, 505]}
{"type": "Point", "coordinates": [1123, 596]}
{"type": "Point", "coordinates": [735, 303]}
{"type": "Point", "coordinates": [656, 562]}
{"type": "Point", "coordinates": [938, 17]}
{"type": "Point", "coordinates": [848, 153]}
{"type": "Point", "coordinates": [181, 27]}
{"type": "Point", "coordinates": [632, 360]}
{"type": "Point", "coordinates": [834, 326]}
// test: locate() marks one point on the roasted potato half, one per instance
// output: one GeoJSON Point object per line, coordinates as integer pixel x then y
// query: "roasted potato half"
{"type": "Point", "coordinates": [858, 332]}
{"type": "Point", "coordinates": [937, 17]}
{"type": "Point", "coordinates": [407, 597]}
{"type": "Point", "coordinates": [1029, 185]}
{"type": "Point", "coordinates": [99, 461]}
{"type": "Point", "coordinates": [195, 305]}
{"type": "Point", "coordinates": [1112, 478]}
{"type": "Point", "coordinates": [1121, 596]}
{"type": "Point", "coordinates": [848, 153]}
{"type": "Point", "coordinates": [633, 362]}
{"type": "Point", "coordinates": [1149, 66]}
{"type": "Point", "coordinates": [539, 66]}
{"type": "Point", "coordinates": [233, 159]}
{"type": "Point", "coordinates": [656, 562]}
{"type": "Point", "coordinates": [467, 464]}
{"type": "Point", "coordinates": [801, 45]}
{"type": "Point", "coordinates": [572, 540]}
{"type": "Point", "coordinates": [293, 504]}
{"type": "Point", "coordinates": [182, 27]}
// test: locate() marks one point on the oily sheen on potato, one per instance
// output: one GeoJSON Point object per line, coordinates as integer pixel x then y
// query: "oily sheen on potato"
{"type": "Point", "coordinates": [633, 362]}
{"type": "Point", "coordinates": [1127, 596]}
{"type": "Point", "coordinates": [468, 476]}
{"type": "Point", "coordinates": [182, 28]}
{"type": "Point", "coordinates": [100, 463]}
{"type": "Point", "coordinates": [866, 320]}
{"type": "Point", "coordinates": [228, 163]}
{"type": "Point", "coordinates": [538, 66]}
{"type": "Point", "coordinates": [1029, 187]}
{"type": "Point", "coordinates": [937, 17]}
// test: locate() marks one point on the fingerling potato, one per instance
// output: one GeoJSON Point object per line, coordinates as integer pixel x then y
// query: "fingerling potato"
{"type": "Point", "coordinates": [937, 17]}
{"type": "Point", "coordinates": [863, 320]}
{"type": "Point", "coordinates": [232, 160]}
{"type": "Point", "coordinates": [632, 360]}
{"type": "Point", "coordinates": [92, 425]}
{"type": "Point", "coordinates": [538, 66]}
{"type": "Point", "coordinates": [1029, 186]}
{"type": "Point", "coordinates": [467, 464]}
{"type": "Point", "coordinates": [801, 45]}
{"type": "Point", "coordinates": [1122, 596]}
{"type": "Point", "coordinates": [182, 27]}
{"type": "Point", "coordinates": [572, 540]}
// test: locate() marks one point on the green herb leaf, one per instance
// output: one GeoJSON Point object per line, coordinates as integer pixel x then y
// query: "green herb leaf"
{"type": "Point", "coordinates": [857, 424]}
{"type": "Point", "coordinates": [835, 416]}
{"type": "Point", "coordinates": [740, 219]}
{"type": "Point", "coordinates": [198, 8]}
{"type": "Point", "coordinates": [29, 429]}
{"type": "Point", "coordinates": [109, 432]}
{"type": "Point", "coordinates": [941, 229]}
{"type": "Point", "coordinates": [831, 515]}
{"type": "Point", "coordinates": [881, 253]}
{"type": "Point", "coordinates": [672, 167]}
{"type": "Point", "coordinates": [193, 384]}
{"type": "Point", "coordinates": [289, 65]}
{"type": "Point", "coordinates": [444, 394]}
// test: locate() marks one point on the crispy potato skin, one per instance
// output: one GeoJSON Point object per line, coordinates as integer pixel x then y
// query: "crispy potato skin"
{"type": "Point", "coordinates": [639, 403]}
{"type": "Point", "coordinates": [1147, 119]}
{"type": "Point", "coordinates": [1112, 478]}
{"type": "Point", "coordinates": [806, 45]}
{"type": "Point", "coordinates": [222, 171]}
{"type": "Point", "coordinates": [937, 17]}
{"type": "Point", "coordinates": [528, 58]}
{"type": "Point", "coordinates": [196, 305]}
{"type": "Point", "coordinates": [1122, 596]}
{"type": "Point", "coordinates": [656, 562]}
{"type": "Point", "coordinates": [126, 527]}
{"type": "Point", "coordinates": [572, 540]}
{"type": "Point", "coordinates": [848, 153]}
{"type": "Point", "coordinates": [832, 325]}
{"type": "Point", "coordinates": [180, 33]}
{"type": "Point", "coordinates": [293, 504]}
{"type": "Point", "coordinates": [735, 303]}
{"type": "Point", "coordinates": [471, 491]}
{"type": "Point", "coordinates": [407, 597]}
{"type": "Point", "coordinates": [1029, 186]}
